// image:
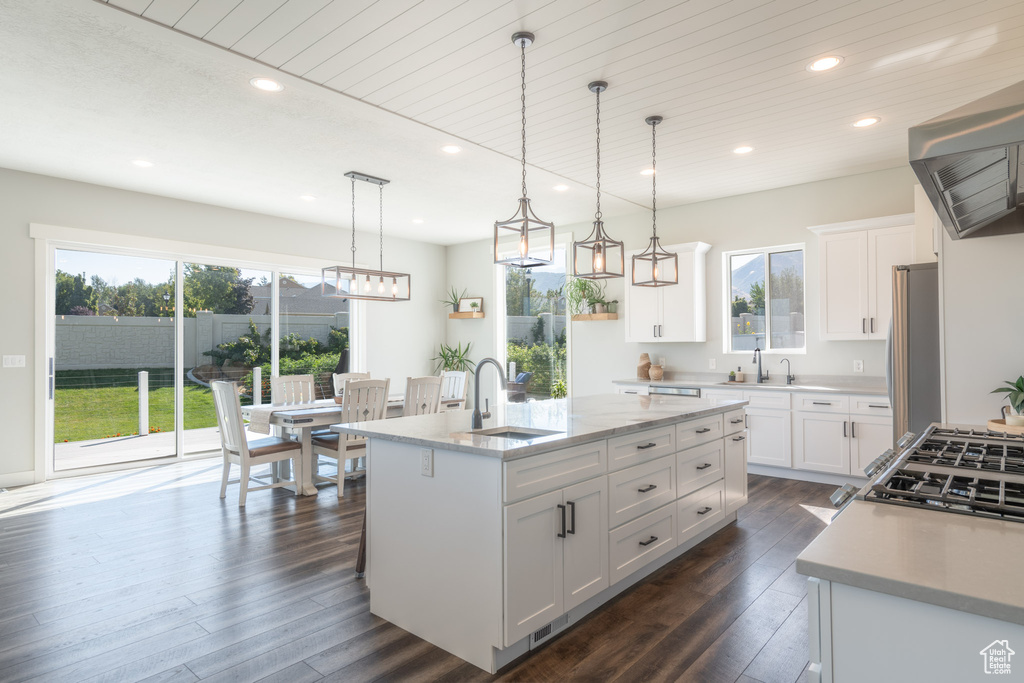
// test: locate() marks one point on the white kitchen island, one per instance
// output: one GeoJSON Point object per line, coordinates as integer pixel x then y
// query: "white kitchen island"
{"type": "Point", "coordinates": [488, 545]}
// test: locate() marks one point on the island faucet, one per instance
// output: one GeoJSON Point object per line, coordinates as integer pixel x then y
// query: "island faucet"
{"type": "Point", "coordinates": [761, 377]}
{"type": "Point", "coordinates": [789, 370]}
{"type": "Point", "coordinates": [478, 417]}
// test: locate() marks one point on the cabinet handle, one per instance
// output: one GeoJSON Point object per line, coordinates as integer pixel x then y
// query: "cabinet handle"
{"type": "Point", "coordinates": [643, 448]}
{"type": "Point", "coordinates": [872, 326]}
{"type": "Point", "coordinates": [736, 421]}
{"type": "Point", "coordinates": [704, 431]}
{"type": "Point", "coordinates": [820, 403]}
{"type": "Point", "coordinates": [704, 466]}
{"type": "Point", "coordinates": [704, 511]}
{"type": "Point", "coordinates": [654, 330]}
{"type": "Point", "coordinates": [572, 517]}
{"type": "Point", "coordinates": [872, 405]}
{"type": "Point", "coordinates": [629, 392]}
{"type": "Point", "coordinates": [738, 438]}
{"type": "Point", "coordinates": [844, 429]}
{"type": "Point", "coordinates": [649, 541]}
{"type": "Point", "coordinates": [853, 429]}
{"type": "Point", "coordinates": [863, 325]}
{"type": "Point", "coordinates": [660, 332]}
{"type": "Point", "coordinates": [645, 489]}
{"type": "Point", "coordinates": [561, 509]}
{"type": "Point", "coordinates": [745, 422]}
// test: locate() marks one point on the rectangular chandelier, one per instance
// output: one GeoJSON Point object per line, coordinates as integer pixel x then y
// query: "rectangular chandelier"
{"type": "Point", "coordinates": [349, 282]}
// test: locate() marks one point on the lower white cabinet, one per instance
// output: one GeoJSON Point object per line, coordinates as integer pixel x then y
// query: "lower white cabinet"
{"type": "Point", "coordinates": [700, 510]}
{"type": "Point", "coordinates": [870, 436]}
{"type": "Point", "coordinates": [770, 437]}
{"type": "Point", "coordinates": [829, 436]}
{"type": "Point", "coordinates": [821, 442]}
{"type": "Point", "coordinates": [735, 471]}
{"type": "Point", "coordinates": [641, 541]}
{"type": "Point", "coordinates": [556, 546]}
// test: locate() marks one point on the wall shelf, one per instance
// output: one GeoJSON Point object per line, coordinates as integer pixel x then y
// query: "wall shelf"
{"type": "Point", "coordinates": [467, 314]}
{"type": "Point", "coordinates": [595, 316]}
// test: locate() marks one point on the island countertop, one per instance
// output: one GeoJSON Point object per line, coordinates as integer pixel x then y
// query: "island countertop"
{"type": "Point", "coordinates": [576, 421]}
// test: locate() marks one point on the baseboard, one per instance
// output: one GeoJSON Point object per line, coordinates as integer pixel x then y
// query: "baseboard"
{"type": "Point", "coordinates": [17, 479]}
{"type": "Point", "coordinates": [804, 475]}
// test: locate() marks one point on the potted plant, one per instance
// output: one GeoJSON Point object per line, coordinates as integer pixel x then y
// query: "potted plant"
{"type": "Point", "coordinates": [1014, 413]}
{"type": "Point", "coordinates": [453, 299]}
{"type": "Point", "coordinates": [453, 358]}
{"type": "Point", "coordinates": [732, 375]}
{"type": "Point", "coordinates": [475, 305]}
{"type": "Point", "coordinates": [578, 293]}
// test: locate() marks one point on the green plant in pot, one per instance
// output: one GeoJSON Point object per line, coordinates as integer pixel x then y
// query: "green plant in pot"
{"type": "Point", "coordinates": [453, 358]}
{"type": "Point", "coordinates": [1014, 391]}
{"type": "Point", "coordinates": [587, 296]}
{"type": "Point", "coordinates": [453, 299]}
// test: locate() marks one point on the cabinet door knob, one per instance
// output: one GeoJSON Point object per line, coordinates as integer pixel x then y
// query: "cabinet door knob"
{"type": "Point", "coordinates": [647, 488]}
{"type": "Point", "coordinates": [649, 541]}
{"type": "Point", "coordinates": [704, 466]}
{"type": "Point", "coordinates": [704, 511]}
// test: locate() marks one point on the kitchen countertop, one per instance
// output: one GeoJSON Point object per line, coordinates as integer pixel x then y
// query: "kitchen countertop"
{"type": "Point", "coordinates": [817, 387]}
{"type": "Point", "coordinates": [579, 420]}
{"type": "Point", "coordinates": [924, 555]}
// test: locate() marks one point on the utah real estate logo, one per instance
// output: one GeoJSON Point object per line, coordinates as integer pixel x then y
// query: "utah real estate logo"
{"type": "Point", "coordinates": [997, 657]}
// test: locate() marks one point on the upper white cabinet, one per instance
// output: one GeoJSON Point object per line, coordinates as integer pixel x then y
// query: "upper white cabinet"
{"type": "Point", "coordinates": [855, 263]}
{"type": "Point", "coordinates": [676, 313]}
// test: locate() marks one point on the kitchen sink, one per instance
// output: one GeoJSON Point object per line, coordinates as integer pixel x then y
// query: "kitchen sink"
{"type": "Point", "coordinates": [520, 433]}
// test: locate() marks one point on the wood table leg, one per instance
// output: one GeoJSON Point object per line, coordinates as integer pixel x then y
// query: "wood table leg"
{"type": "Point", "coordinates": [361, 556]}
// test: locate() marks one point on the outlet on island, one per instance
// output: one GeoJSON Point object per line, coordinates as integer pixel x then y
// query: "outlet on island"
{"type": "Point", "coordinates": [427, 462]}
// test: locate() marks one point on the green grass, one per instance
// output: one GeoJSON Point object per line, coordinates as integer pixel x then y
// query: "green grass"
{"type": "Point", "coordinates": [96, 404]}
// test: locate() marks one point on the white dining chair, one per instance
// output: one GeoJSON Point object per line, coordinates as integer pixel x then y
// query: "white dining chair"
{"type": "Point", "coordinates": [422, 396]}
{"type": "Point", "coordinates": [239, 450]}
{"type": "Point", "coordinates": [292, 389]}
{"type": "Point", "coordinates": [362, 400]}
{"type": "Point", "coordinates": [454, 385]}
{"type": "Point", "coordinates": [341, 377]}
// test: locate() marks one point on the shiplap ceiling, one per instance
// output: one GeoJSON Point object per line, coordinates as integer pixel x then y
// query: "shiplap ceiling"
{"type": "Point", "coordinates": [406, 76]}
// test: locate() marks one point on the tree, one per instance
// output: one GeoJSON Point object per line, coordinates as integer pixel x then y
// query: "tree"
{"type": "Point", "coordinates": [739, 305]}
{"type": "Point", "coordinates": [757, 298]}
{"type": "Point", "coordinates": [216, 289]}
{"type": "Point", "coordinates": [74, 297]}
{"type": "Point", "coordinates": [519, 290]}
{"type": "Point", "coordinates": [789, 285]}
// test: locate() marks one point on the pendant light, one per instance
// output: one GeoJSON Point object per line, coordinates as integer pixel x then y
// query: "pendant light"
{"type": "Point", "coordinates": [657, 267]}
{"type": "Point", "coordinates": [524, 240]}
{"type": "Point", "coordinates": [350, 282]}
{"type": "Point", "coordinates": [598, 257]}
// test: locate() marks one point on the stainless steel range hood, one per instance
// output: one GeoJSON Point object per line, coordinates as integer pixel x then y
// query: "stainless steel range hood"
{"type": "Point", "coordinates": [969, 162]}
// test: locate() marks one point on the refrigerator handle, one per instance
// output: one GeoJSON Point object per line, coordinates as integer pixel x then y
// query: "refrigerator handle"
{"type": "Point", "coordinates": [888, 363]}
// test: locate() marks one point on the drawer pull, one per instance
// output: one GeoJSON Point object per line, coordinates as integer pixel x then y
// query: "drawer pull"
{"type": "Point", "coordinates": [645, 489]}
{"type": "Point", "coordinates": [738, 438]}
{"type": "Point", "coordinates": [650, 445]}
{"type": "Point", "coordinates": [704, 431]}
{"type": "Point", "coordinates": [704, 511]}
{"type": "Point", "coordinates": [736, 421]}
{"type": "Point", "coordinates": [704, 466]}
{"type": "Point", "coordinates": [572, 517]}
{"type": "Point", "coordinates": [561, 509]}
{"type": "Point", "coordinates": [821, 403]}
{"type": "Point", "coordinates": [649, 541]}
{"type": "Point", "coordinates": [874, 405]}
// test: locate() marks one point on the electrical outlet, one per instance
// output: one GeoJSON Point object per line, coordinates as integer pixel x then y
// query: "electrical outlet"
{"type": "Point", "coordinates": [427, 462]}
{"type": "Point", "coordinates": [14, 361]}
{"type": "Point", "coordinates": [712, 363]}
{"type": "Point", "coordinates": [661, 361]}
{"type": "Point", "coordinates": [858, 366]}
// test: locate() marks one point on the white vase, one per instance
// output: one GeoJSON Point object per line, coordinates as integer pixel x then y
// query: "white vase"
{"type": "Point", "coordinates": [1013, 419]}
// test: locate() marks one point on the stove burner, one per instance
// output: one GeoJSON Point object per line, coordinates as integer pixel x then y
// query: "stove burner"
{"type": "Point", "coordinates": [953, 492]}
{"type": "Point", "coordinates": [970, 454]}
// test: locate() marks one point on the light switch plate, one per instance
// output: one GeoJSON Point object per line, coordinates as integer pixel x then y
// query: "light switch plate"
{"type": "Point", "coordinates": [427, 462]}
{"type": "Point", "coordinates": [14, 361]}
{"type": "Point", "coordinates": [712, 363]}
{"type": "Point", "coordinates": [858, 366]}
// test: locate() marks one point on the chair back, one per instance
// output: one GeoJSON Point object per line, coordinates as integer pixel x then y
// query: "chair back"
{"type": "Point", "coordinates": [454, 385]}
{"type": "Point", "coordinates": [341, 377]}
{"type": "Point", "coordinates": [364, 400]}
{"type": "Point", "coordinates": [229, 417]}
{"type": "Point", "coordinates": [422, 396]}
{"type": "Point", "coordinates": [292, 389]}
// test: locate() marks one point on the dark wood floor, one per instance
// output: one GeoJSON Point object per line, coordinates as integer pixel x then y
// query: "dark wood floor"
{"type": "Point", "coordinates": [148, 575]}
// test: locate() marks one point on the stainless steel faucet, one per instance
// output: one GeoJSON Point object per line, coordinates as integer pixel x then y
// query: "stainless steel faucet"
{"type": "Point", "coordinates": [761, 377]}
{"type": "Point", "coordinates": [789, 371]}
{"type": "Point", "coordinates": [478, 417]}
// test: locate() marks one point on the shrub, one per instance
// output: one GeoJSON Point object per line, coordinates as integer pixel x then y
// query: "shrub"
{"type": "Point", "coordinates": [547, 363]}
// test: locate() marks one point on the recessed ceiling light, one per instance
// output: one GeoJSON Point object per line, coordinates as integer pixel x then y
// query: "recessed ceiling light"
{"type": "Point", "coordinates": [266, 84]}
{"type": "Point", "coordinates": [142, 163]}
{"type": "Point", "coordinates": [865, 122]}
{"type": "Point", "coordinates": [560, 188]}
{"type": "Point", "coordinates": [451, 149]}
{"type": "Point", "coordinates": [417, 221]}
{"type": "Point", "coordinates": [307, 197]}
{"type": "Point", "coordinates": [647, 171]}
{"type": "Point", "coordinates": [743, 150]}
{"type": "Point", "coordinates": [825, 63]}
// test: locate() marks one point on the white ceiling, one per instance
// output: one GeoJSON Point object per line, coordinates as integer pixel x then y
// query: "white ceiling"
{"type": "Point", "coordinates": [380, 85]}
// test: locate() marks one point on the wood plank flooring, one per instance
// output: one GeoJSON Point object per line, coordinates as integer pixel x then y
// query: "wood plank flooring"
{"type": "Point", "coordinates": [147, 575]}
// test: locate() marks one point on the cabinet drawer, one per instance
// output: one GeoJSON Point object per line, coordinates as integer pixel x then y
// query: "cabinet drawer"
{"type": "Point", "coordinates": [699, 466]}
{"type": "Point", "coordinates": [695, 432]}
{"type": "Point", "coordinates": [718, 395]}
{"type": "Point", "coordinates": [640, 489]}
{"type": "Point", "coordinates": [870, 405]}
{"type": "Point", "coordinates": [549, 471]}
{"type": "Point", "coordinates": [699, 510]}
{"type": "Point", "coordinates": [768, 399]}
{"type": "Point", "coordinates": [821, 403]}
{"type": "Point", "coordinates": [735, 420]}
{"type": "Point", "coordinates": [638, 389]}
{"type": "Point", "coordinates": [633, 449]}
{"type": "Point", "coordinates": [633, 545]}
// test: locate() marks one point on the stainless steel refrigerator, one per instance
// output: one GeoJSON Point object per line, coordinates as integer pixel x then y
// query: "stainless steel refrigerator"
{"type": "Point", "coordinates": [912, 371]}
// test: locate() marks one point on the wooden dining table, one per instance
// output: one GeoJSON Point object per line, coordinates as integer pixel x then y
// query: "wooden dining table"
{"type": "Point", "coordinates": [302, 422]}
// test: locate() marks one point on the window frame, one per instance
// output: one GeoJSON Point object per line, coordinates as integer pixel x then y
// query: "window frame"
{"type": "Point", "coordinates": [727, 299]}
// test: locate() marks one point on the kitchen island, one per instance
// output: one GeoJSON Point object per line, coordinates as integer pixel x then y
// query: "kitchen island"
{"type": "Point", "coordinates": [489, 542]}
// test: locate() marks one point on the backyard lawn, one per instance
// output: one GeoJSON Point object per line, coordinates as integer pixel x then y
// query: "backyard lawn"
{"type": "Point", "coordinates": [96, 404]}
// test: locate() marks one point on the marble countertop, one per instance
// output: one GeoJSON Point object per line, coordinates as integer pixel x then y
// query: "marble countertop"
{"type": "Point", "coordinates": [956, 561]}
{"type": "Point", "coordinates": [835, 386]}
{"type": "Point", "coordinates": [577, 420]}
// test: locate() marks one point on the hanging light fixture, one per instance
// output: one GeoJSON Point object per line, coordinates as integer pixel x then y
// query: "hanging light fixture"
{"type": "Point", "coordinates": [655, 267]}
{"type": "Point", "coordinates": [350, 282]}
{"type": "Point", "coordinates": [598, 257]}
{"type": "Point", "coordinates": [524, 240]}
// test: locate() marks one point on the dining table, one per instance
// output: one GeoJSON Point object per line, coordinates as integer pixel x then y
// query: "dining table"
{"type": "Point", "coordinates": [302, 420]}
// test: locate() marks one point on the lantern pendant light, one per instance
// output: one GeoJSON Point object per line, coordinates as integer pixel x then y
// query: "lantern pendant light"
{"type": "Point", "coordinates": [598, 257]}
{"type": "Point", "coordinates": [655, 267]}
{"type": "Point", "coordinates": [365, 283]}
{"type": "Point", "coordinates": [524, 240]}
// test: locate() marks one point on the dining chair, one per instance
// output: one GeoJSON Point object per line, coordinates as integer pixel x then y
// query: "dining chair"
{"type": "Point", "coordinates": [422, 395]}
{"type": "Point", "coordinates": [454, 385]}
{"type": "Point", "coordinates": [292, 389]}
{"type": "Point", "coordinates": [341, 377]}
{"type": "Point", "coordinates": [362, 400]}
{"type": "Point", "coordinates": [238, 449]}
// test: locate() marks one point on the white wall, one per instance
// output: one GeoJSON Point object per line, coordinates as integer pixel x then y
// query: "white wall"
{"type": "Point", "coordinates": [401, 336]}
{"type": "Point", "coordinates": [599, 353]}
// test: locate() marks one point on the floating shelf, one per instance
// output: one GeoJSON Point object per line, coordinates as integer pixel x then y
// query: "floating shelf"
{"type": "Point", "coordinates": [467, 314]}
{"type": "Point", "coordinates": [595, 316]}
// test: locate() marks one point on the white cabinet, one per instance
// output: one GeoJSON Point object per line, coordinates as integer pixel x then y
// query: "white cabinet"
{"type": "Point", "coordinates": [855, 263]}
{"type": "Point", "coordinates": [768, 424]}
{"type": "Point", "coordinates": [638, 389]}
{"type": "Point", "coordinates": [735, 471]}
{"type": "Point", "coordinates": [675, 313]}
{"type": "Point", "coordinates": [829, 434]}
{"type": "Point", "coordinates": [870, 436]}
{"type": "Point", "coordinates": [556, 546]}
{"type": "Point", "coordinates": [821, 442]}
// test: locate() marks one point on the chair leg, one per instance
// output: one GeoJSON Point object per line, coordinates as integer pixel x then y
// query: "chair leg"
{"type": "Point", "coordinates": [224, 477]}
{"type": "Point", "coordinates": [243, 484]}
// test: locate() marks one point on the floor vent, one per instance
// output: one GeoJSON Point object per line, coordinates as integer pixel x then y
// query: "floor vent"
{"type": "Point", "coordinates": [541, 634]}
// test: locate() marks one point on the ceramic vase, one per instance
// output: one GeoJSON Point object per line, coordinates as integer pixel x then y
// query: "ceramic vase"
{"type": "Point", "coordinates": [643, 366]}
{"type": "Point", "coordinates": [656, 372]}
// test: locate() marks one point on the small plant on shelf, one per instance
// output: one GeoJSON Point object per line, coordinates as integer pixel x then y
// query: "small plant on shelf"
{"type": "Point", "coordinates": [453, 299]}
{"type": "Point", "coordinates": [587, 296]}
{"type": "Point", "coordinates": [475, 305]}
{"type": "Point", "coordinates": [453, 358]}
{"type": "Point", "coordinates": [1015, 396]}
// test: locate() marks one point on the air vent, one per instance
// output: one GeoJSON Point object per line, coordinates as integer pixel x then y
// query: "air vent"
{"type": "Point", "coordinates": [541, 634]}
{"type": "Point", "coordinates": [968, 164]}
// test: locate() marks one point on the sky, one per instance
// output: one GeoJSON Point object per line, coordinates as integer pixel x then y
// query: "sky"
{"type": "Point", "coordinates": [117, 269]}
